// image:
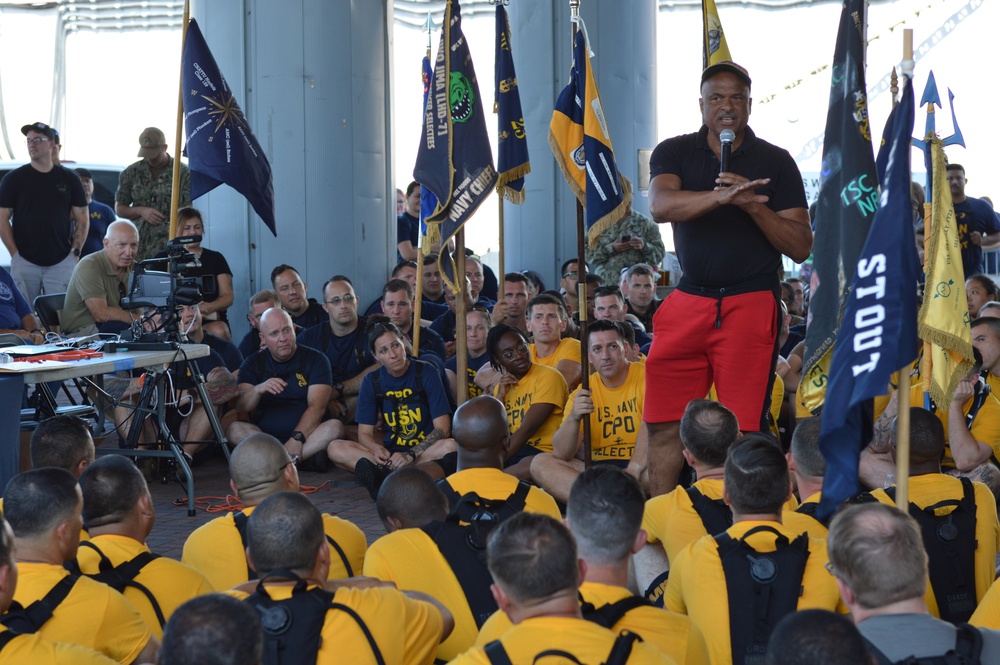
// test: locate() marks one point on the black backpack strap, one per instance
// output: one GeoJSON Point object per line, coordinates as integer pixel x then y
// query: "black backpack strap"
{"type": "Point", "coordinates": [714, 514]}
{"type": "Point", "coordinates": [496, 654]}
{"type": "Point", "coordinates": [468, 565]}
{"type": "Point", "coordinates": [876, 652]}
{"type": "Point", "coordinates": [30, 619]}
{"type": "Point", "coordinates": [343, 555]}
{"type": "Point", "coordinates": [810, 510]}
{"type": "Point", "coordinates": [364, 629]}
{"type": "Point", "coordinates": [556, 653]}
{"type": "Point", "coordinates": [622, 648]}
{"type": "Point", "coordinates": [518, 499]}
{"type": "Point", "coordinates": [7, 635]}
{"type": "Point", "coordinates": [240, 520]}
{"type": "Point", "coordinates": [968, 642]}
{"type": "Point", "coordinates": [122, 576]}
{"type": "Point", "coordinates": [770, 583]}
{"type": "Point", "coordinates": [610, 614]}
{"type": "Point", "coordinates": [450, 492]}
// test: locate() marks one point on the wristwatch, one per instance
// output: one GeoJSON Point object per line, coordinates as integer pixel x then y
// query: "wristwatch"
{"type": "Point", "coordinates": [340, 388]}
{"type": "Point", "coordinates": [76, 252]}
{"type": "Point", "coordinates": [299, 436]}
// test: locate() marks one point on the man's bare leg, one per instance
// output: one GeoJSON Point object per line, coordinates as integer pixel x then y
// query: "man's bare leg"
{"type": "Point", "coordinates": [665, 458]}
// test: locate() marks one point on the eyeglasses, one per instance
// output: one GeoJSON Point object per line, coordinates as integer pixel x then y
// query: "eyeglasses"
{"type": "Point", "coordinates": [347, 298]}
{"type": "Point", "coordinates": [830, 569]}
{"type": "Point", "coordinates": [519, 350]}
{"type": "Point", "coordinates": [568, 275]}
{"type": "Point", "coordinates": [37, 140]}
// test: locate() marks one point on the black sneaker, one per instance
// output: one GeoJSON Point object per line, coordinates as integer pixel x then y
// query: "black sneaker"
{"type": "Point", "coordinates": [318, 463]}
{"type": "Point", "coordinates": [369, 475]}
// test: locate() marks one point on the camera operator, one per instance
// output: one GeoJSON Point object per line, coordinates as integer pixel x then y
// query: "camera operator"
{"type": "Point", "coordinates": [99, 282]}
{"type": "Point", "coordinates": [213, 264]}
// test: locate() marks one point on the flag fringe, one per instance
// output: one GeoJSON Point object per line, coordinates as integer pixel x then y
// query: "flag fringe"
{"type": "Point", "coordinates": [618, 214]}
{"type": "Point", "coordinates": [509, 176]}
{"type": "Point", "coordinates": [564, 167]}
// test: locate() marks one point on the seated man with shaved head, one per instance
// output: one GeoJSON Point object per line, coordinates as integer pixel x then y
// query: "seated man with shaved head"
{"type": "Point", "coordinates": [286, 388]}
{"type": "Point", "coordinates": [258, 468]}
{"type": "Point", "coordinates": [480, 430]}
{"type": "Point", "coordinates": [119, 512]}
{"type": "Point", "coordinates": [378, 623]}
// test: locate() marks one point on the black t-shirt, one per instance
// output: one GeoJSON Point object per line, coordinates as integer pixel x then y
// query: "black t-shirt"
{"type": "Point", "coordinates": [348, 355]}
{"type": "Point", "coordinates": [724, 247]}
{"type": "Point", "coordinates": [42, 204]}
{"type": "Point", "coordinates": [407, 228]}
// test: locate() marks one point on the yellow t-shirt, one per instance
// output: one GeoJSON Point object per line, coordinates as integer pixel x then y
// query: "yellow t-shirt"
{"type": "Point", "coordinates": [617, 416]}
{"type": "Point", "coordinates": [587, 641]}
{"type": "Point", "coordinates": [803, 523]}
{"type": "Point", "coordinates": [216, 550]}
{"type": "Point", "coordinates": [673, 634]}
{"type": "Point", "coordinates": [568, 349]}
{"type": "Point", "coordinates": [171, 582]}
{"type": "Point", "coordinates": [495, 484]}
{"type": "Point", "coordinates": [405, 630]}
{"type": "Point", "coordinates": [93, 614]}
{"type": "Point", "coordinates": [987, 615]}
{"type": "Point", "coordinates": [697, 584]}
{"type": "Point", "coordinates": [413, 561]}
{"type": "Point", "coordinates": [927, 490]}
{"type": "Point", "coordinates": [541, 385]}
{"type": "Point", "coordinates": [36, 650]}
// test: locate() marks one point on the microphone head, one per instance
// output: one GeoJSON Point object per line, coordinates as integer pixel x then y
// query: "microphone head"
{"type": "Point", "coordinates": [727, 136]}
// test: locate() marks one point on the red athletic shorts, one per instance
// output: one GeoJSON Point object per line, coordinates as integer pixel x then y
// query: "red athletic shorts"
{"type": "Point", "coordinates": [699, 340]}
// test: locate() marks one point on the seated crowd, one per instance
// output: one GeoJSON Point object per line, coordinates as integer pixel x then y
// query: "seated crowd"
{"type": "Point", "coordinates": [519, 523]}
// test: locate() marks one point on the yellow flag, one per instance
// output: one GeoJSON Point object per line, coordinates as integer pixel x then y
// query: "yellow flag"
{"type": "Point", "coordinates": [943, 321]}
{"type": "Point", "coordinates": [715, 49]}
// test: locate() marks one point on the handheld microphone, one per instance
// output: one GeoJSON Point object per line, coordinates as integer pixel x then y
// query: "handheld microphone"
{"type": "Point", "coordinates": [726, 136]}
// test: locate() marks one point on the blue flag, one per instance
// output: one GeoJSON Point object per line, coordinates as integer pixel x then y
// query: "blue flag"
{"type": "Point", "coordinates": [882, 159]}
{"type": "Point", "coordinates": [428, 202]}
{"type": "Point", "coordinates": [454, 160]}
{"type": "Point", "coordinates": [848, 199]}
{"type": "Point", "coordinates": [878, 335]}
{"type": "Point", "coordinates": [512, 150]}
{"type": "Point", "coordinates": [578, 136]}
{"type": "Point", "coordinates": [221, 147]}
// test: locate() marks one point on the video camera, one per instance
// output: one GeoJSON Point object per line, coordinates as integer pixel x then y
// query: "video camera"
{"type": "Point", "coordinates": [172, 288]}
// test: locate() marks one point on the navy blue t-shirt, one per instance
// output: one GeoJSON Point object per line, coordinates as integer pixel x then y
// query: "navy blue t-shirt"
{"type": "Point", "coordinates": [279, 414]}
{"type": "Point", "coordinates": [231, 356]}
{"type": "Point", "coordinates": [101, 217]}
{"type": "Point", "coordinates": [474, 365]}
{"type": "Point", "coordinates": [407, 415]}
{"type": "Point", "coordinates": [183, 379]}
{"type": "Point", "coordinates": [13, 305]}
{"type": "Point", "coordinates": [348, 355]}
{"type": "Point", "coordinates": [974, 215]}
{"type": "Point", "coordinates": [407, 228]}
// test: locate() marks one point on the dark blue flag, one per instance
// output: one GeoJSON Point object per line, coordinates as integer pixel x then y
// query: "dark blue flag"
{"type": "Point", "coordinates": [454, 160]}
{"type": "Point", "coordinates": [848, 198]}
{"type": "Point", "coordinates": [878, 335]}
{"type": "Point", "coordinates": [882, 159]}
{"type": "Point", "coordinates": [428, 202]}
{"type": "Point", "coordinates": [512, 142]}
{"type": "Point", "coordinates": [221, 147]}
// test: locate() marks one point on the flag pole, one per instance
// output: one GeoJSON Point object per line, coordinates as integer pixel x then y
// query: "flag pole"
{"type": "Point", "coordinates": [175, 186]}
{"type": "Point", "coordinates": [418, 302]}
{"type": "Point", "coordinates": [581, 286]}
{"type": "Point", "coordinates": [903, 402]}
{"type": "Point", "coordinates": [461, 313]}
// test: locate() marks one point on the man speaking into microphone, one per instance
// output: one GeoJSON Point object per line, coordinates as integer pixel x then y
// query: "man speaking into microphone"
{"type": "Point", "coordinates": [734, 213]}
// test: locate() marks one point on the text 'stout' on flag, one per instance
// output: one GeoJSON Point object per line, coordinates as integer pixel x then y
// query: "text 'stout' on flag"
{"type": "Point", "coordinates": [221, 147]}
{"type": "Point", "coordinates": [454, 160]}
{"type": "Point", "coordinates": [578, 135]}
{"type": "Point", "coordinates": [878, 335]}
{"type": "Point", "coordinates": [848, 199]}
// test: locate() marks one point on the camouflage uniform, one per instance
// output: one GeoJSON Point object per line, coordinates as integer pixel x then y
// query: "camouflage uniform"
{"type": "Point", "coordinates": [136, 187]}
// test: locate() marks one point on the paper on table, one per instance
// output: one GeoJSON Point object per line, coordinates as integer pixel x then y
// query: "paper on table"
{"type": "Point", "coordinates": [22, 366]}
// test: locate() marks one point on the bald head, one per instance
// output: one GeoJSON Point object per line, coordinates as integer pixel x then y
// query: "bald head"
{"type": "Point", "coordinates": [480, 428]}
{"type": "Point", "coordinates": [259, 467]}
{"type": "Point", "coordinates": [121, 228]}
{"type": "Point", "coordinates": [278, 333]}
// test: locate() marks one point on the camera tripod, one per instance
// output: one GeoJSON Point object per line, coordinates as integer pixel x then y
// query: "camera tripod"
{"type": "Point", "coordinates": [152, 403]}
